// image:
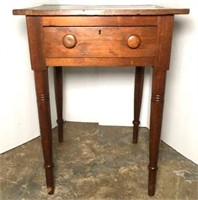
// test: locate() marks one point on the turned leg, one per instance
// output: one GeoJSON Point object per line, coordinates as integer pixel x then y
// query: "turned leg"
{"type": "Point", "coordinates": [58, 84]}
{"type": "Point", "coordinates": [157, 102]}
{"type": "Point", "coordinates": [43, 102]}
{"type": "Point", "coordinates": [139, 81]}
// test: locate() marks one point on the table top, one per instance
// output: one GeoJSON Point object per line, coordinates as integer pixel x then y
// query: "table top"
{"type": "Point", "coordinates": [66, 10]}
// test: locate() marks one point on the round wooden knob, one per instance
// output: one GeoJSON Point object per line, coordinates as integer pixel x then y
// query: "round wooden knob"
{"type": "Point", "coordinates": [134, 41]}
{"type": "Point", "coordinates": [69, 41]}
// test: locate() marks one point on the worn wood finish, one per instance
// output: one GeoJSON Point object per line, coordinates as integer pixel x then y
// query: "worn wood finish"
{"type": "Point", "coordinates": [60, 10]}
{"type": "Point", "coordinates": [100, 36]}
{"type": "Point", "coordinates": [35, 38]}
{"type": "Point", "coordinates": [100, 62]}
{"type": "Point", "coordinates": [98, 21]}
{"type": "Point", "coordinates": [100, 42]}
{"type": "Point", "coordinates": [164, 42]}
{"type": "Point", "coordinates": [58, 85]}
{"type": "Point", "coordinates": [139, 81]}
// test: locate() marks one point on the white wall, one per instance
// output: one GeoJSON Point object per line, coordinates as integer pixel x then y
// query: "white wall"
{"type": "Point", "coordinates": [103, 95]}
{"type": "Point", "coordinates": [18, 116]}
{"type": "Point", "coordinates": [180, 128]}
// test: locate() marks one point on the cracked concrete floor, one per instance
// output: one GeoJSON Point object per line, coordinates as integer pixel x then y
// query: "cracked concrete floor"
{"type": "Point", "coordinates": [96, 162]}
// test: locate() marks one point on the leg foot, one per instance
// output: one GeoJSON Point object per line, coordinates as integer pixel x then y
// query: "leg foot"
{"type": "Point", "coordinates": [152, 180]}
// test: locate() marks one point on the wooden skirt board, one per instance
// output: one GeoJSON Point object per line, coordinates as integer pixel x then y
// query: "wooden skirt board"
{"type": "Point", "coordinates": [68, 36]}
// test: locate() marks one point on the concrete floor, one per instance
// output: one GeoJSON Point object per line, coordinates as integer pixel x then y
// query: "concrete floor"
{"type": "Point", "coordinates": [96, 162]}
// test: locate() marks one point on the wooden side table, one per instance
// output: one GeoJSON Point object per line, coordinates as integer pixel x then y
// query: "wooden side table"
{"type": "Point", "coordinates": [69, 36]}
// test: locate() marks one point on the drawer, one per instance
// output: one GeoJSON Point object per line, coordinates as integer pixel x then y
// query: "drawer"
{"type": "Point", "coordinates": [96, 42]}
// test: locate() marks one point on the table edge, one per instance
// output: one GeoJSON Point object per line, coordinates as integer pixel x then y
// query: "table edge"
{"type": "Point", "coordinates": [98, 10]}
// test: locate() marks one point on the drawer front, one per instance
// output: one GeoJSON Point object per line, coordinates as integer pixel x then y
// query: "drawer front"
{"type": "Point", "coordinates": [90, 42]}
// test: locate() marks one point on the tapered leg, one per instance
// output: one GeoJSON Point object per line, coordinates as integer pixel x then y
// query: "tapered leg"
{"type": "Point", "coordinates": [58, 83]}
{"type": "Point", "coordinates": [157, 102]}
{"type": "Point", "coordinates": [139, 81]}
{"type": "Point", "coordinates": [43, 102]}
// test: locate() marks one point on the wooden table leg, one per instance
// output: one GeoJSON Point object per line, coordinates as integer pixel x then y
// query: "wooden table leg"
{"type": "Point", "coordinates": [139, 81]}
{"type": "Point", "coordinates": [43, 102]}
{"type": "Point", "coordinates": [157, 102]}
{"type": "Point", "coordinates": [58, 84]}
